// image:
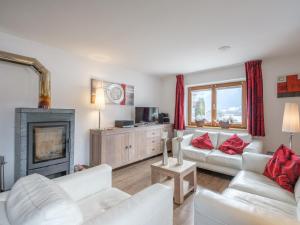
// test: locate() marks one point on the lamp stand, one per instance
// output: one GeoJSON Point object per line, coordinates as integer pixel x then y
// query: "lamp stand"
{"type": "Point", "coordinates": [291, 140]}
{"type": "Point", "coordinates": [99, 118]}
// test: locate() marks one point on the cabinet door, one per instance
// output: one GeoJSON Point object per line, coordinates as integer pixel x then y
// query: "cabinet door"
{"type": "Point", "coordinates": [115, 149]}
{"type": "Point", "coordinates": [133, 154]}
{"type": "Point", "coordinates": [140, 140]}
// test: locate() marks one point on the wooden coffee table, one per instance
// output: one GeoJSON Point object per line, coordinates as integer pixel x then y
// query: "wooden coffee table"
{"type": "Point", "coordinates": [184, 176]}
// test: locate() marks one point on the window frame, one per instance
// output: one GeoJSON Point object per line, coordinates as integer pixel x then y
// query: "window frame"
{"type": "Point", "coordinates": [213, 88]}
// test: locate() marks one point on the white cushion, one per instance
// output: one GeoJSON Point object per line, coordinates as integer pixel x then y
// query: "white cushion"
{"type": "Point", "coordinates": [297, 197]}
{"type": "Point", "coordinates": [100, 202]}
{"type": "Point", "coordinates": [224, 136]}
{"type": "Point", "coordinates": [212, 135]}
{"type": "Point", "coordinates": [190, 152]}
{"type": "Point", "coordinates": [36, 200]}
{"type": "Point", "coordinates": [298, 211]}
{"type": "Point", "coordinates": [217, 157]}
{"type": "Point", "coordinates": [262, 203]}
{"type": "Point", "coordinates": [3, 215]}
{"type": "Point", "coordinates": [261, 185]}
{"type": "Point", "coordinates": [297, 190]}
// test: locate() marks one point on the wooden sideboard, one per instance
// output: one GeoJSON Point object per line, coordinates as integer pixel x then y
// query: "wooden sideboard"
{"type": "Point", "coordinates": [121, 146]}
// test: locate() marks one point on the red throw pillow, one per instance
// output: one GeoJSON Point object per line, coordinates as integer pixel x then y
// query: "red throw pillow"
{"type": "Point", "coordinates": [284, 168]}
{"type": "Point", "coordinates": [202, 142]}
{"type": "Point", "coordinates": [234, 145]}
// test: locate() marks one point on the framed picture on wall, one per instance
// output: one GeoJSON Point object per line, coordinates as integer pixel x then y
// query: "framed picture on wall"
{"type": "Point", "coordinates": [288, 86]}
{"type": "Point", "coordinates": [115, 93]}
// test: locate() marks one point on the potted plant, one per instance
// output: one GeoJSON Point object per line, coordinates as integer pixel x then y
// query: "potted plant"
{"type": "Point", "coordinates": [200, 121]}
{"type": "Point", "coordinates": [224, 123]}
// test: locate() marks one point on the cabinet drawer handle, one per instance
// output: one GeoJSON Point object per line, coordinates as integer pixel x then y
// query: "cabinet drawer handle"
{"type": "Point", "coordinates": [130, 146]}
{"type": "Point", "coordinates": [126, 147]}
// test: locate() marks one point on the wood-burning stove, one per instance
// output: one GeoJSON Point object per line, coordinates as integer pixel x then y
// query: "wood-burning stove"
{"type": "Point", "coordinates": [44, 142]}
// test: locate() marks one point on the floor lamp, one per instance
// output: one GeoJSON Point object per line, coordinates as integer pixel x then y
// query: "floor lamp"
{"type": "Point", "coordinates": [290, 122]}
{"type": "Point", "coordinates": [100, 102]}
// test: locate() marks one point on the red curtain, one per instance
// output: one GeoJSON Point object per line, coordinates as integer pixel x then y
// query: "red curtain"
{"type": "Point", "coordinates": [255, 103]}
{"type": "Point", "coordinates": [179, 104]}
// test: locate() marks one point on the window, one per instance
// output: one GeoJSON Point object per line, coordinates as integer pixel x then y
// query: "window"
{"type": "Point", "coordinates": [201, 105]}
{"type": "Point", "coordinates": [218, 102]}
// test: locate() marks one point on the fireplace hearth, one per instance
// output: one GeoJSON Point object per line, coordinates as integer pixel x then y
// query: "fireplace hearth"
{"type": "Point", "coordinates": [44, 142]}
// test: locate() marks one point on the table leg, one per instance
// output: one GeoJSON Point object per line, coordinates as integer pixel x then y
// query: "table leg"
{"type": "Point", "coordinates": [155, 176]}
{"type": "Point", "coordinates": [178, 189]}
{"type": "Point", "coordinates": [195, 179]}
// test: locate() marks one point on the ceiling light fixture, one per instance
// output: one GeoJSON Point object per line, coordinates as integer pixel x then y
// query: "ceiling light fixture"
{"type": "Point", "coordinates": [100, 58]}
{"type": "Point", "coordinates": [224, 48]}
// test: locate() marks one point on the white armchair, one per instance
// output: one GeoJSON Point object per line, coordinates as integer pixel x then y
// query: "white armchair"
{"type": "Point", "coordinates": [90, 195]}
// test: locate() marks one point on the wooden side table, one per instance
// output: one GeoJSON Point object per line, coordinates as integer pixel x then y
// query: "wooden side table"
{"type": "Point", "coordinates": [180, 173]}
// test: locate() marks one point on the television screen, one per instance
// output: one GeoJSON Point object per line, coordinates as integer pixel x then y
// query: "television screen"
{"type": "Point", "coordinates": [146, 114]}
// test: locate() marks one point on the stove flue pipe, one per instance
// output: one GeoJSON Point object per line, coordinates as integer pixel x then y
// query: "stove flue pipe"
{"type": "Point", "coordinates": [44, 75]}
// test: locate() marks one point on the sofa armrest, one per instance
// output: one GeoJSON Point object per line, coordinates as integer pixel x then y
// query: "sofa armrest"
{"type": "Point", "coordinates": [256, 146]}
{"type": "Point", "coordinates": [255, 162]}
{"type": "Point", "coordinates": [87, 182]}
{"type": "Point", "coordinates": [214, 209]}
{"type": "Point", "coordinates": [185, 142]}
{"type": "Point", "coordinates": [4, 196]}
{"type": "Point", "coordinates": [152, 206]}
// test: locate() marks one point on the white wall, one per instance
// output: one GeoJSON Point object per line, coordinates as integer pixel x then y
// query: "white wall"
{"type": "Point", "coordinates": [273, 106]}
{"type": "Point", "coordinates": [272, 68]}
{"type": "Point", "coordinates": [70, 89]}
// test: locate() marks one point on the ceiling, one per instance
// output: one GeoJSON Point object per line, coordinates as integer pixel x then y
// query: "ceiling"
{"type": "Point", "coordinates": [159, 37]}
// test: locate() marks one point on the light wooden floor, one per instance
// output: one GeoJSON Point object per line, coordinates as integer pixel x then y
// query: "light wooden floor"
{"type": "Point", "coordinates": [136, 177]}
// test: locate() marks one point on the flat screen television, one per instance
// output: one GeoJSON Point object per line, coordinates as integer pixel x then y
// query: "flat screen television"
{"type": "Point", "coordinates": [146, 114]}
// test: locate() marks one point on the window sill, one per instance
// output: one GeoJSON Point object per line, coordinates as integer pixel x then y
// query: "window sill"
{"type": "Point", "coordinates": [232, 129]}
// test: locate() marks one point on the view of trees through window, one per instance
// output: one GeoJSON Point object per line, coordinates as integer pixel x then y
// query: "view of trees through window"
{"type": "Point", "coordinates": [201, 101]}
{"type": "Point", "coordinates": [219, 102]}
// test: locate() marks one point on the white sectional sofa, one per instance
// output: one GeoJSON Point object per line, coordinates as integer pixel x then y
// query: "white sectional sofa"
{"type": "Point", "coordinates": [215, 160]}
{"type": "Point", "coordinates": [85, 198]}
{"type": "Point", "coordinates": [250, 199]}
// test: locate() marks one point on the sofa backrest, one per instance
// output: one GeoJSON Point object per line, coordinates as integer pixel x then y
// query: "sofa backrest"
{"type": "Point", "coordinates": [212, 135]}
{"type": "Point", "coordinates": [36, 200]}
{"type": "Point", "coordinates": [224, 136]}
{"type": "Point", "coordinates": [217, 138]}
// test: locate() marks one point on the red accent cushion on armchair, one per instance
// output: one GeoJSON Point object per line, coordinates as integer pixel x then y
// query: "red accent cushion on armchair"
{"type": "Point", "coordinates": [284, 168]}
{"type": "Point", "coordinates": [202, 142]}
{"type": "Point", "coordinates": [234, 145]}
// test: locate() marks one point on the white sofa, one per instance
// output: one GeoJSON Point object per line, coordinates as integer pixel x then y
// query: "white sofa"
{"type": "Point", "coordinates": [215, 160]}
{"type": "Point", "coordinates": [86, 197]}
{"type": "Point", "coordinates": [251, 198]}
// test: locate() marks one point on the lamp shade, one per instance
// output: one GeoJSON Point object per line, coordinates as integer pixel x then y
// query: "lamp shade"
{"type": "Point", "coordinates": [291, 118]}
{"type": "Point", "coordinates": [100, 98]}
